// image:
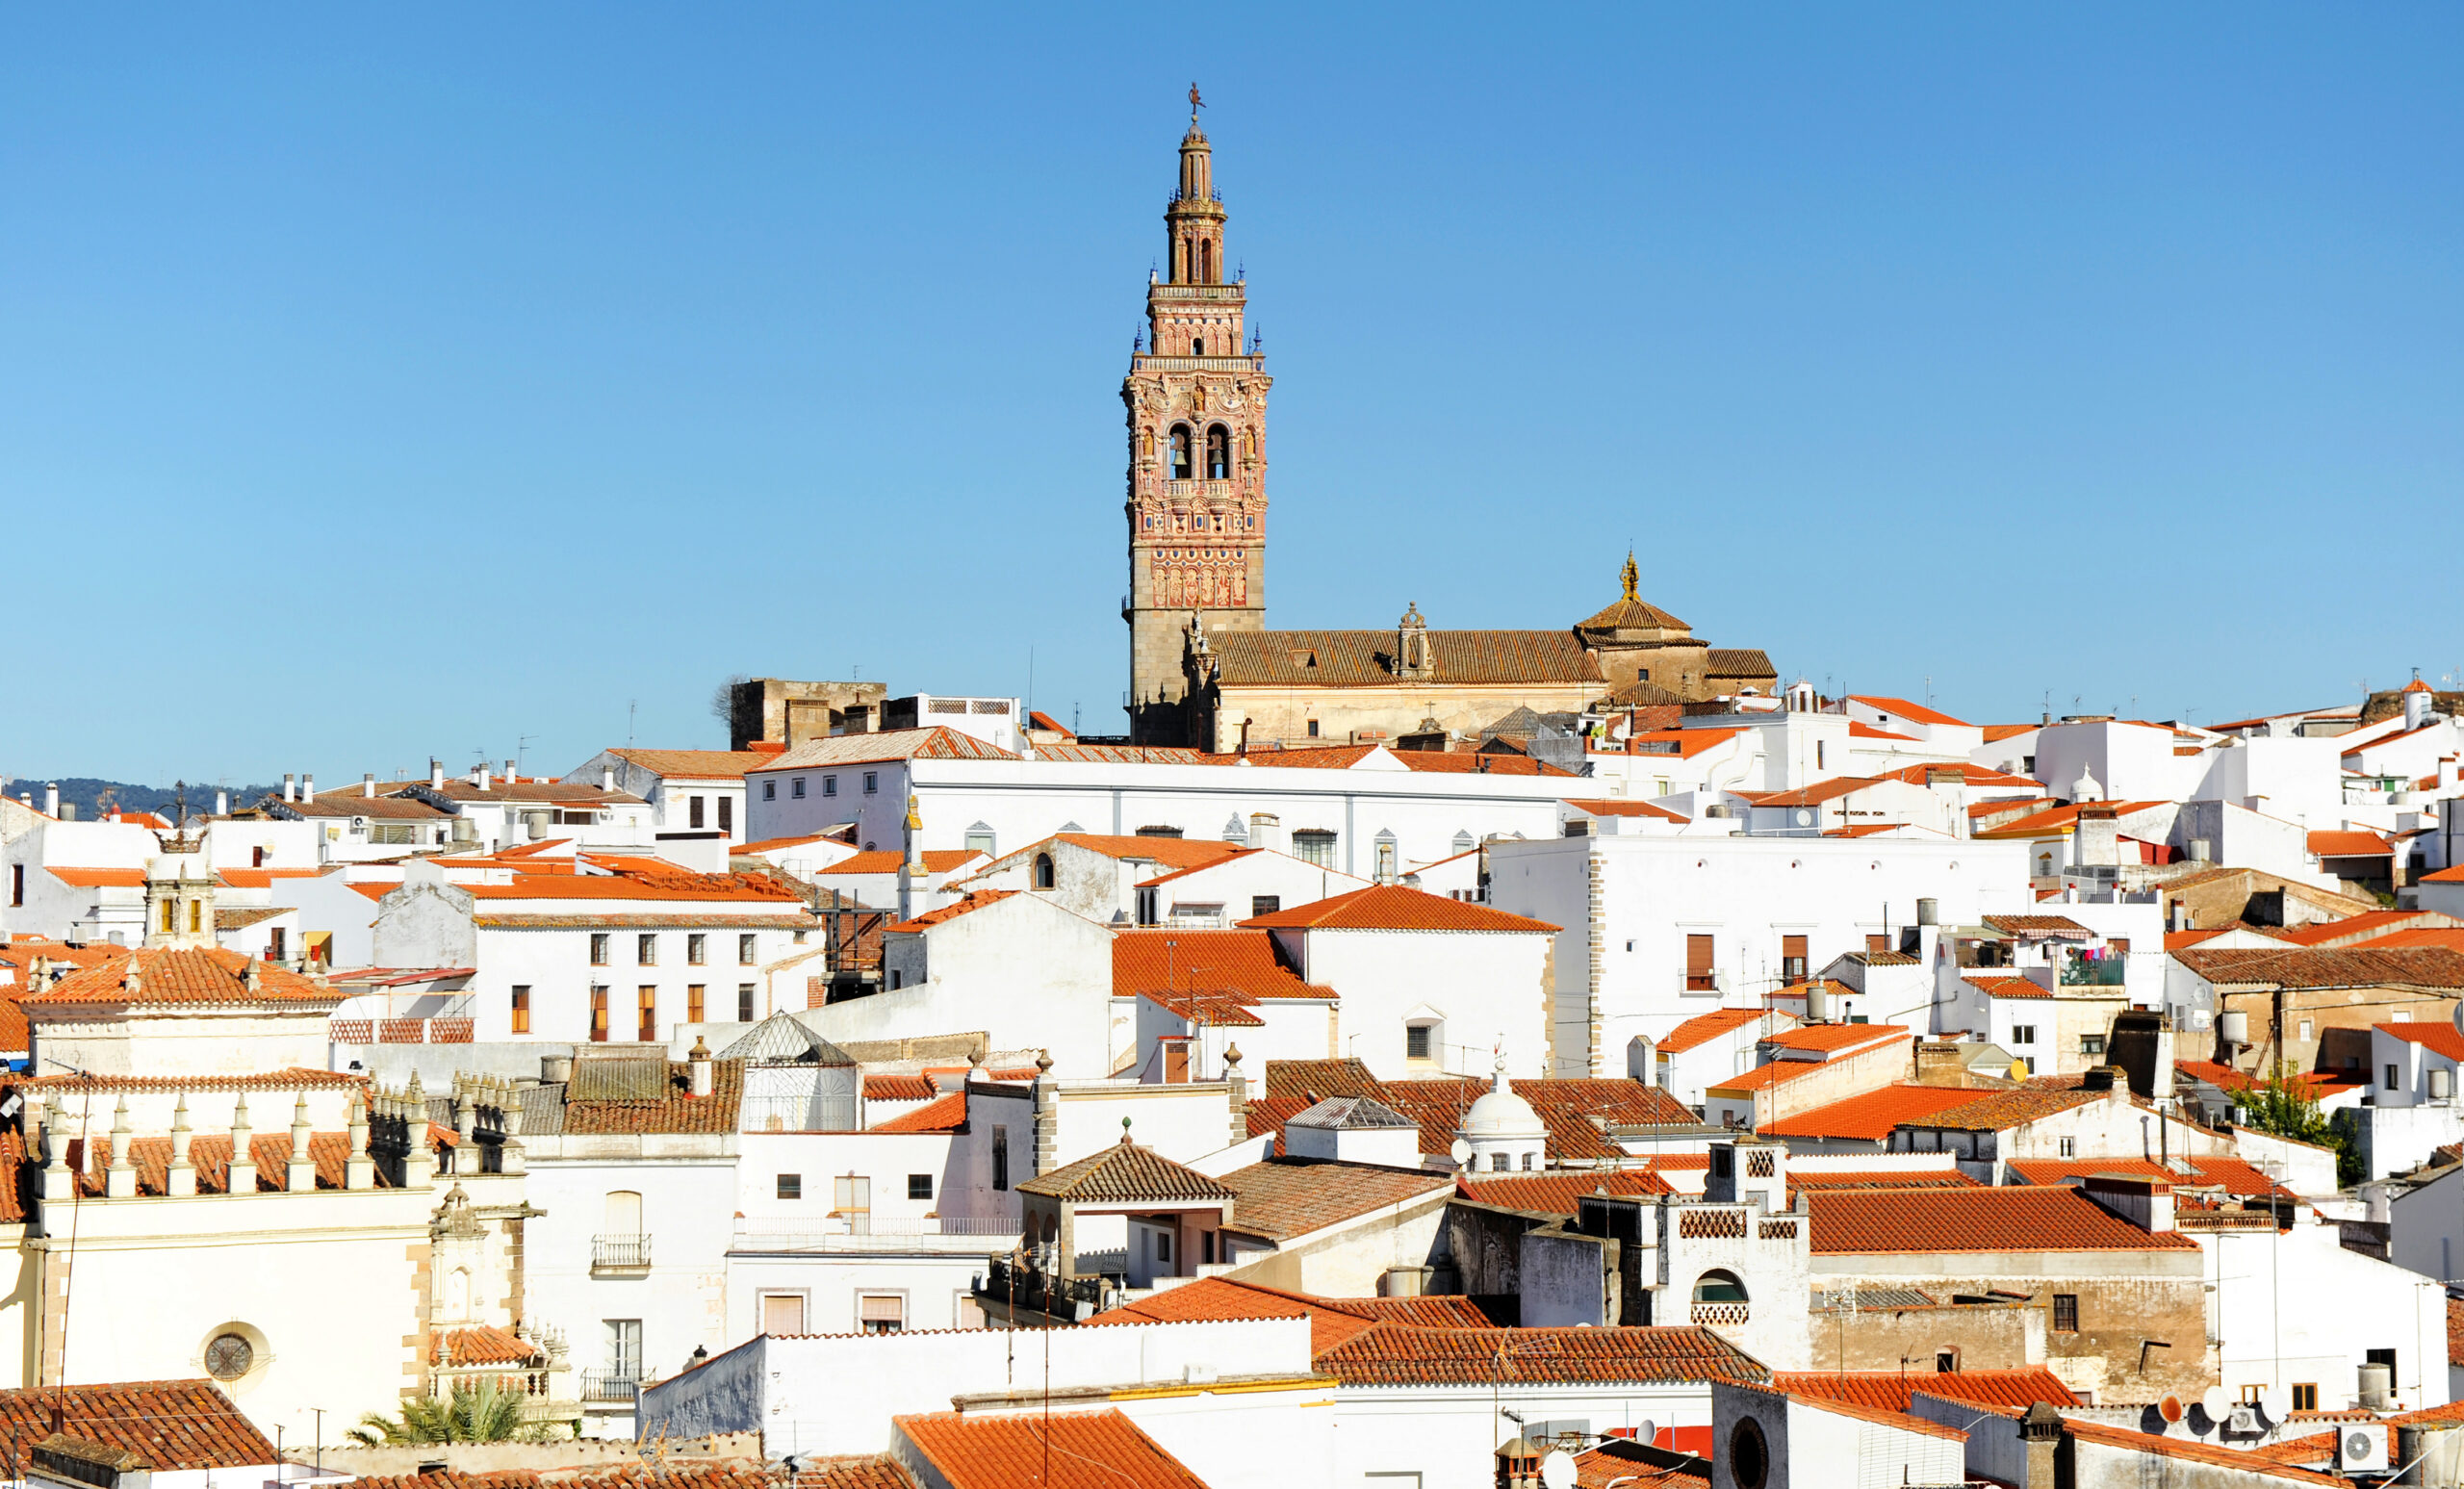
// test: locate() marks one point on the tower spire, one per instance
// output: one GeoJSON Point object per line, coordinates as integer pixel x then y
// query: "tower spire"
{"type": "Point", "coordinates": [1630, 575]}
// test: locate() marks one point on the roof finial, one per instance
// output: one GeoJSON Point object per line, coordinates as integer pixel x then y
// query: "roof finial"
{"type": "Point", "coordinates": [1629, 575]}
{"type": "Point", "coordinates": [1195, 104]}
{"type": "Point", "coordinates": [1124, 1121]}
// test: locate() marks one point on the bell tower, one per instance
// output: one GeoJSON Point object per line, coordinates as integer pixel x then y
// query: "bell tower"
{"type": "Point", "coordinates": [1196, 401]}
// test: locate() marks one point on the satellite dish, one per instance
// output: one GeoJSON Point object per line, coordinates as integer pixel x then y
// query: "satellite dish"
{"type": "Point", "coordinates": [2459, 1018]}
{"type": "Point", "coordinates": [2171, 1407]}
{"type": "Point", "coordinates": [1461, 1153]}
{"type": "Point", "coordinates": [1557, 1470]}
{"type": "Point", "coordinates": [1648, 1434]}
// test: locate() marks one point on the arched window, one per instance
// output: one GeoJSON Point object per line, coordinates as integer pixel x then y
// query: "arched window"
{"type": "Point", "coordinates": [1197, 346]}
{"type": "Point", "coordinates": [1043, 871]}
{"type": "Point", "coordinates": [1719, 1297]}
{"type": "Point", "coordinates": [624, 1212]}
{"type": "Point", "coordinates": [1203, 277]}
{"type": "Point", "coordinates": [1218, 454]}
{"type": "Point", "coordinates": [1182, 457]}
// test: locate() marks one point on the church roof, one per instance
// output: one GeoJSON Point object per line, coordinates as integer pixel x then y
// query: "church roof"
{"type": "Point", "coordinates": [1740, 662]}
{"type": "Point", "coordinates": [1632, 614]}
{"type": "Point", "coordinates": [1366, 658]}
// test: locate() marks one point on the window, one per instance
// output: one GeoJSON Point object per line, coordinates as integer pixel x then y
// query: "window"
{"type": "Point", "coordinates": [796, 788]}
{"type": "Point", "coordinates": [693, 1003]}
{"type": "Point", "coordinates": [1385, 855]}
{"type": "Point", "coordinates": [1265, 904]}
{"type": "Point", "coordinates": [696, 948]}
{"type": "Point", "coordinates": [2306, 1029]}
{"type": "Point", "coordinates": [1945, 1361]}
{"type": "Point", "coordinates": [1877, 944]}
{"type": "Point", "coordinates": [726, 814]}
{"type": "Point", "coordinates": [1162, 1246]}
{"type": "Point", "coordinates": [1000, 1158]}
{"type": "Point", "coordinates": [769, 790]}
{"type": "Point", "coordinates": [2067, 1147]}
{"type": "Point", "coordinates": [16, 884]}
{"type": "Point", "coordinates": [1527, 1161]}
{"type": "Point", "coordinates": [2305, 1398]}
{"type": "Point", "coordinates": [1500, 1163]}
{"type": "Point", "coordinates": [2250, 1395]}
{"type": "Point", "coordinates": [2091, 1043]}
{"type": "Point", "coordinates": [2066, 1312]}
{"type": "Point", "coordinates": [196, 917]}
{"type": "Point", "coordinates": [920, 1186]}
{"type": "Point", "coordinates": [621, 1213]}
{"type": "Point", "coordinates": [1314, 846]}
{"type": "Point", "coordinates": [745, 950]}
{"type": "Point", "coordinates": [1699, 977]}
{"type": "Point", "coordinates": [872, 782]}
{"type": "Point", "coordinates": [791, 1186]}
{"type": "Point", "coordinates": [598, 948]}
{"type": "Point", "coordinates": [980, 839]}
{"type": "Point", "coordinates": [744, 1003]}
{"type": "Point", "coordinates": [782, 1313]}
{"type": "Point", "coordinates": [881, 1313]}
{"type": "Point", "coordinates": [852, 1191]}
{"type": "Point", "coordinates": [648, 1007]}
{"type": "Point", "coordinates": [1218, 454]}
{"type": "Point", "coordinates": [1043, 871]}
{"type": "Point", "coordinates": [1313, 729]}
{"type": "Point", "coordinates": [1818, 755]}
{"type": "Point", "coordinates": [624, 1348]}
{"type": "Point", "coordinates": [1184, 461]}
{"type": "Point", "coordinates": [693, 814]}
{"type": "Point", "coordinates": [1792, 959]}
{"type": "Point", "coordinates": [2392, 1074]}
{"type": "Point", "coordinates": [1749, 1458]}
{"type": "Point", "coordinates": [2023, 1033]}
{"type": "Point", "coordinates": [646, 949]}
{"type": "Point", "coordinates": [828, 786]}
{"type": "Point", "coordinates": [277, 944]}
{"type": "Point", "coordinates": [170, 908]}
{"type": "Point", "coordinates": [1415, 1041]}
{"type": "Point", "coordinates": [521, 1008]}
{"type": "Point", "coordinates": [599, 1013]}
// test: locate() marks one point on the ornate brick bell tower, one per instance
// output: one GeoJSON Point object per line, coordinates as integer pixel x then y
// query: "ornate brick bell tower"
{"type": "Point", "coordinates": [1197, 466]}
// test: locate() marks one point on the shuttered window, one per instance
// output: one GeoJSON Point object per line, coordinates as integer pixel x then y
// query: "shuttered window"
{"type": "Point", "coordinates": [1792, 959]}
{"type": "Point", "coordinates": [782, 1313]}
{"type": "Point", "coordinates": [877, 1313]}
{"type": "Point", "coordinates": [1697, 964]}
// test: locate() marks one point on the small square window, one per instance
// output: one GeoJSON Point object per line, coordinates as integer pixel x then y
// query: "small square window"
{"type": "Point", "coordinates": [796, 788]}
{"type": "Point", "coordinates": [646, 949]}
{"type": "Point", "coordinates": [1415, 1041]}
{"type": "Point", "coordinates": [2091, 1043]}
{"type": "Point", "coordinates": [920, 1186]}
{"type": "Point", "coordinates": [791, 1186]}
{"type": "Point", "coordinates": [872, 782]}
{"type": "Point", "coordinates": [744, 1003]}
{"type": "Point", "coordinates": [745, 954]}
{"type": "Point", "coordinates": [830, 785]}
{"type": "Point", "coordinates": [769, 790]}
{"type": "Point", "coordinates": [2066, 1312]}
{"type": "Point", "coordinates": [696, 948]}
{"type": "Point", "coordinates": [2305, 1398]}
{"type": "Point", "coordinates": [598, 948]}
{"type": "Point", "coordinates": [2068, 1147]}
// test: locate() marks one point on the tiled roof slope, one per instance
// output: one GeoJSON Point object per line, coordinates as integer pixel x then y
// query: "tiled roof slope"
{"type": "Point", "coordinates": [1703, 1028]}
{"type": "Point", "coordinates": [2233, 1176]}
{"type": "Point", "coordinates": [1284, 1197]}
{"type": "Point", "coordinates": [677, 1110]}
{"type": "Point", "coordinates": [1874, 1114]}
{"type": "Point", "coordinates": [1880, 1178]}
{"type": "Point", "coordinates": [1125, 1173]}
{"type": "Point", "coordinates": [1618, 1462]}
{"type": "Point", "coordinates": [899, 744]}
{"type": "Point", "coordinates": [2009, 1218]}
{"type": "Point", "coordinates": [1395, 1355]}
{"type": "Point", "coordinates": [175, 1426]}
{"type": "Point", "coordinates": [946, 1114]}
{"type": "Point", "coordinates": [1211, 1299]}
{"type": "Point", "coordinates": [1242, 963]}
{"type": "Point", "coordinates": [1366, 658]}
{"type": "Point", "coordinates": [2002, 1110]}
{"type": "Point", "coordinates": [1089, 1450]}
{"type": "Point", "coordinates": [1561, 1192]}
{"type": "Point", "coordinates": [886, 860]}
{"type": "Point", "coordinates": [1890, 1389]}
{"type": "Point", "coordinates": [1394, 907]}
{"type": "Point", "coordinates": [2417, 966]}
{"type": "Point", "coordinates": [697, 764]}
{"type": "Point", "coordinates": [188, 975]}
{"type": "Point", "coordinates": [483, 1344]}
{"type": "Point", "coordinates": [1566, 1105]}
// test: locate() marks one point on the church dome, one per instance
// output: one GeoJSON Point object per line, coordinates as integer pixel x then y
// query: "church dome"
{"type": "Point", "coordinates": [1501, 1115]}
{"type": "Point", "coordinates": [2086, 788]}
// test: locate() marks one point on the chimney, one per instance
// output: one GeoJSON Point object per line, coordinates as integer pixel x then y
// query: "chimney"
{"type": "Point", "coordinates": [1266, 831]}
{"type": "Point", "coordinates": [1938, 1063]}
{"type": "Point", "coordinates": [368, 782]}
{"type": "Point", "coordinates": [2146, 1203]}
{"type": "Point", "coordinates": [435, 773]}
{"type": "Point", "coordinates": [243, 1157]}
{"type": "Point", "coordinates": [2447, 780]}
{"type": "Point", "coordinates": [222, 804]}
{"type": "Point", "coordinates": [479, 775]}
{"type": "Point", "coordinates": [2040, 1441]}
{"type": "Point", "coordinates": [289, 786]}
{"type": "Point", "coordinates": [608, 778]}
{"type": "Point", "coordinates": [556, 1070]}
{"type": "Point", "coordinates": [307, 787]}
{"type": "Point", "coordinates": [510, 777]}
{"type": "Point", "coordinates": [51, 799]}
{"type": "Point", "coordinates": [698, 1060]}
{"type": "Point", "coordinates": [2100, 838]}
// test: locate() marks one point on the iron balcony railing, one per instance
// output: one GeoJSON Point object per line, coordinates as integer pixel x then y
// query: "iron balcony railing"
{"type": "Point", "coordinates": [1025, 1286]}
{"type": "Point", "coordinates": [612, 1385]}
{"type": "Point", "coordinates": [620, 1253]}
{"type": "Point", "coordinates": [2081, 972]}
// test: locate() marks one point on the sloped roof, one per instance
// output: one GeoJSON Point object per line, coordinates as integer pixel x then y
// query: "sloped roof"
{"type": "Point", "coordinates": [2002, 1110]}
{"type": "Point", "coordinates": [1283, 1197]}
{"type": "Point", "coordinates": [1352, 1114]}
{"type": "Point", "coordinates": [1873, 1114]}
{"type": "Point", "coordinates": [696, 764]}
{"type": "Point", "coordinates": [2436, 1036]}
{"type": "Point", "coordinates": [780, 1039]}
{"type": "Point", "coordinates": [1890, 1389]}
{"type": "Point", "coordinates": [1395, 1354]}
{"type": "Point", "coordinates": [1738, 661]}
{"type": "Point", "coordinates": [886, 860]}
{"type": "Point", "coordinates": [1125, 1173]}
{"type": "Point", "coordinates": [1568, 1107]}
{"type": "Point", "coordinates": [1913, 712]}
{"type": "Point", "coordinates": [943, 1114]}
{"type": "Point", "coordinates": [2007, 1219]}
{"type": "Point", "coordinates": [1703, 1028]}
{"type": "Point", "coordinates": [1629, 612]}
{"type": "Point", "coordinates": [1827, 1040]}
{"type": "Point", "coordinates": [175, 1426]}
{"type": "Point", "coordinates": [194, 975]}
{"type": "Point", "coordinates": [2233, 1176]}
{"type": "Point", "coordinates": [2353, 966]}
{"type": "Point", "coordinates": [1366, 658]}
{"type": "Point", "coordinates": [1625, 806]}
{"type": "Point", "coordinates": [1394, 907]}
{"type": "Point", "coordinates": [673, 1108]}
{"type": "Point", "coordinates": [1558, 1192]}
{"type": "Point", "coordinates": [937, 743]}
{"type": "Point", "coordinates": [1243, 962]}
{"type": "Point", "coordinates": [1087, 1449]}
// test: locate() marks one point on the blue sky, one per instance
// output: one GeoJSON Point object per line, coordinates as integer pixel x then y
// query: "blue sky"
{"type": "Point", "coordinates": [382, 385]}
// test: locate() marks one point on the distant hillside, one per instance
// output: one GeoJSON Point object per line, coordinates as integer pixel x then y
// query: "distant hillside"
{"type": "Point", "coordinates": [94, 799]}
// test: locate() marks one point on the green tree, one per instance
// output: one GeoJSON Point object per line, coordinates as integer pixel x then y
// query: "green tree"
{"type": "Point", "coordinates": [2287, 1109]}
{"type": "Point", "coordinates": [482, 1412]}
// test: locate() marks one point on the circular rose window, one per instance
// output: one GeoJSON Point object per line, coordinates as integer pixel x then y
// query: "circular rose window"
{"type": "Point", "coordinates": [228, 1358]}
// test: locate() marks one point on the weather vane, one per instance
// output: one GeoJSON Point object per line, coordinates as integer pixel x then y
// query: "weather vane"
{"type": "Point", "coordinates": [1196, 103]}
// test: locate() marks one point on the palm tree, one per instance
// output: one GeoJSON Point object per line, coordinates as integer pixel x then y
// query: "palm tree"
{"type": "Point", "coordinates": [480, 1412]}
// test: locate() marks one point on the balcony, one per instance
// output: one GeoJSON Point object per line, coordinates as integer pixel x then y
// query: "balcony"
{"type": "Point", "coordinates": [2103, 972]}
{"type": "Point", "coordinates": [1024, 1287]}
{"type": "Point", "coordinates": [620, 1256]}
{"type": "Point", "coordinates": [1720, 1315]}
{"type": "Point", "coordinates": [611, 1387]}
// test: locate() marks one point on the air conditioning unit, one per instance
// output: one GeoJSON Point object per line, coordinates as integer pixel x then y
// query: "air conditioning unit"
{"type": "Point", "coordinates": [2361, 1448]}
{"type": "Point", "coordinates": [2242, 1422]}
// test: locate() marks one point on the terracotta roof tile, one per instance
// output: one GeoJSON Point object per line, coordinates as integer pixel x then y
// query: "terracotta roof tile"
{"type": "Point", "coordinates": [1876, 1113]}
{"type": "Point", "coordinates": [2002, 1110]}
{"type": "Point", "coordinates": [1567, 1106]}
{"type": "Point", "coordinates": [715, 888]}
{"type": "Point", "coordinates": [696, 764]}
{"type": "Point", "coordinates": [484, 1344]}
{"type": "Point", "coordinates": [1245, 964]}
{"type": "Point", "coordinates": [900, 1088]}
{"type": "Point", "coordinates": [2010, 988]}
{"type": "Point", "coordinates": [937, 743]}
{"type": "Point", "coordinates": [1890, 1389]}
{"type": "Point", "coordinates": [2038, 925]}
{"type": "Point", "coordinates": [1394, 1354]}
{"type": "Point", "coordinates": [945, 1114]}
{"type": "Point", "coordinates": [1703, 1028]}
{"type": "Point", "coordinates": [677, 1111]}
{"type": "Point", "coordinates": [1620, 1462]}
{"type": "Point", "coordinates": [1559, 1192]}
{"type": "Point", "coordinates": [1366, 658]}
{"type": "Point", "coordinates": [187, 975]}
{"type": "Point", "coordinates": [1124, 1172]}
{"type": "Point", "coordinates": [964, 905]}
{"type": "Point", "coordinates": [2008, 1219]}
{"type": "Point", "coordinates": [2357, 844]}
{"type": "Point", "coordinates": [1913, 712]}
{"type": "Point", "coordinates": [886, 860]}
{"type": "Point", "coordinates": [1625, 808]}
{"type": "Point", "coordinates": [2233, 1176]}
{"type": "Point", "coordinates": [175, 1426]}
{"type": "Point", "coordinates": [1330, 1322]}
{"type": "Point", "coordinates": [2426, 966]}
{"type": "Point", "coordinates": [2437, 1038]}
{"type": "Point", "coordinates": [1394, 907]}
{"type": "Point", "coordinates": [1879, 1179]}
{"type": "Point", "coordinates": [99, 878]}
{"type": "Point", "coordinates": [1284, 1197]}
{"type": "Point", "coordinates": [1833, 1039]}
{"type": "Point", "coordinates": [2189, 1450]}
{"type": "Point", "coordinates": [1089, 1450]}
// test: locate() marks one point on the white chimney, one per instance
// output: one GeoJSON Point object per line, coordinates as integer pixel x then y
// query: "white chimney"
{"type": "Point", "coordinates": [2447, 780]}
{"type": "Point", "coordinates": [51, 799]}
{"type": "Point", "coordinates": [508, 772]}
{"type": "Point", "coordinates": [289, 786]}
{"type": "Point", "coordinates": [1266, 831]}
{"type": "Point", "coordinates": [435, 773]}
{"type": "Point", "coordinates": [608, 778]}
{"type": "Point", "coordinates": [368, 782]}
{"type": "Point", "coordinates": [307, 787]}
{"type": "Point", "coordinates": [479, 775]}
{"type": "Point", "coordinates": [222, 804]}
